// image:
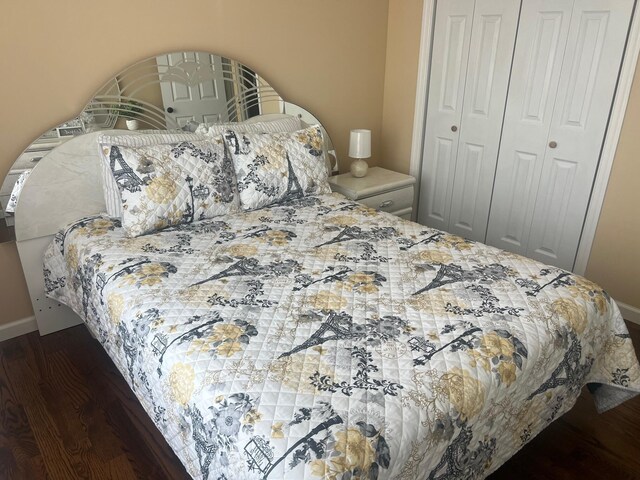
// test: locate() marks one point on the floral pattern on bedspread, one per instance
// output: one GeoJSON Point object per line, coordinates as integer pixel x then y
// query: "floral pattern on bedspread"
{"type": "Point", "coordinates": [322, 339]}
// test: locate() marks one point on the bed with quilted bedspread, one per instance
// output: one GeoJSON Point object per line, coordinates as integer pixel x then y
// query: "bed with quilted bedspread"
{"type": "Point", "coordinates": [322, 339]}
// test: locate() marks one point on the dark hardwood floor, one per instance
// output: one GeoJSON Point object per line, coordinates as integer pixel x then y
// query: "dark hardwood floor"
{"type": "Point", "coordinates": [65, 413]}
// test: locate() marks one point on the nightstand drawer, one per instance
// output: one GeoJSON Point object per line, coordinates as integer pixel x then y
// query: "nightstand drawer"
{"type": "Point", "coordinates": [391, 201]}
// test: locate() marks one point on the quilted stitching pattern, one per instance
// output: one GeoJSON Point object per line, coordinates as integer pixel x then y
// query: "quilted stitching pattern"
{"type": "Point", "coordinates": [271, 168]}
{"type": "Point", "coordinates": [170, 183]}
{"type": "Point", "coordinates": [321, 339]}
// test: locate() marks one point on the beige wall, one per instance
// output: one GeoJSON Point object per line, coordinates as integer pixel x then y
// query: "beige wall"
{"type": "Point", "coordinates": [401, 72]}
{"type": "Point", "coordinates": [615, 257]}
{"type": "Point", "coordinates": [14, 298]}
{"type": "Point", "coordinates": [55, 55]}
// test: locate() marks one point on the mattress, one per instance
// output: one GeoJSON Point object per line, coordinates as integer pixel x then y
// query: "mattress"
{"type": "Point", "coordinates": [323, 339]}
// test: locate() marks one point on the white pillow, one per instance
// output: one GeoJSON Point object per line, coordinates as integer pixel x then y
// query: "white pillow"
{"type": "Point", "coordinates": [287, 124]}
{"type": "Point", "coordinates": [135, 139]}
{"type": "Point", "coordinates": [276, 167]}
{"type": "Point", "coordinates": [167, 184]}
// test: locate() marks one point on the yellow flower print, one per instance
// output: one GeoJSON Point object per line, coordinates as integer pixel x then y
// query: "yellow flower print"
{"type": "Point", "coordinates": [181, 382]}
{"type": "Point", "coordinates": [342, 220]}
{"type": "Point", "coordinates": [275, 154]}
{"type": "Point", "coordinates": [72, 257]}
{"type": "Point", "coordinates": [496, 352]}
{"type": "Point", "coordinates": [277, 237]}
{"type": "Point", "coordinates": [492, 345]}
{"type": "Point", "coordinates": [465, 393]}
{"type": "Point", "coordinates": [361, 282]}
{"type": "Point", "coordinates": [587, 290]}
{"type": "Point", "coordinates": [507, 372]}
{"type": "Point", "coordinates": [228, 349]}
{"type": "Point", "coordinates": [148, 274]}
{"type": "Point", "coordinates": [242, 250]}
{"type": "Point", "coordinates": [152, 269]}
{"type": "Point", "coordinates": [276, 430]}
{"type": "Point", "coordinates": [496, 345]}
{"type": "Point", "coordinates": [327, 301]}
{"type": "Point", "coordinates": [357, 452]}
{"type": "Point", "coordinates": [162, 189]}
{"type": "Point", "coordinates": [223, 332]}
{"type": "Point", "coordinates": [311, 137]}
{"type": "Point", "coordinates": [434, 256]}
{"type": "Point", "coordinates": [173, 216]}
{"type": "Point", "coordinates": [115, 306]}
{"type": "Point", "coordinates": [96, 228]}
{"type": "Point", "coordinates": [252, 417]}
{"type": "Point", "coordinates": [453, 241]}
{"type": "Point", "coordinates": [319, 468]}
{"type": "Point", "coordinates": [571, 312]}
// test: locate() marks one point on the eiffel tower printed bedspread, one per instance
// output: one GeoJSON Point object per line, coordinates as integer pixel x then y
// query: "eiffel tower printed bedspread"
{"type": "Point", "coordinates": [321, 339]}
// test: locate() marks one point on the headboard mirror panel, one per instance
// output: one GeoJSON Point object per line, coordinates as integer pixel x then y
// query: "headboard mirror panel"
{"type": "Point", "coordinates": [170, 91]}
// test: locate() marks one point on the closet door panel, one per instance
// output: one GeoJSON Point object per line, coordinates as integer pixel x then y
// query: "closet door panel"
{"type": "Point", "coordinates": [492, 42]}
{"type": "Point", "coordinates": [537, 64]}
{"type": "Point", "coordinates": [585, 93]}
{"type": "Point", "coordinates": [452, 34]}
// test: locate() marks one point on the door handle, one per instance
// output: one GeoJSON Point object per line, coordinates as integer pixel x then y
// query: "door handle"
{"type": "Point", "coordinates": [553, 144]}
{"type": "Point", "coordinates": [454, 128]}
{"type": "Point", "coordinates": [170, 110]}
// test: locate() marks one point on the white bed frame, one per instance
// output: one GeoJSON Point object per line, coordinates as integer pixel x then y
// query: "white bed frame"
{"type": "Point", "coordinates": [65, 185]}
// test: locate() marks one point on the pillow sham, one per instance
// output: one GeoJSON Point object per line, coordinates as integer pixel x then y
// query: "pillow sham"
{"type": "Point", "coordinates": [167, 184]}
{"type": "Point", "coordinates": [135, 139]}
{"type": "Point", "coordinates": [276, 167]}
{"type": "Point", "coordinates": [287, 124]}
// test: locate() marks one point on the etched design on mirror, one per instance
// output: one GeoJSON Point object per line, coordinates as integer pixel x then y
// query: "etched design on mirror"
{"type": "Point", "coordinates": [169, 91]}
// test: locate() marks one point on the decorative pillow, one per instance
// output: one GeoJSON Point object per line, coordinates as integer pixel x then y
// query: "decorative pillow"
{"type": "Point", "coordinates": [134, 139]}
{"type": "Point", "coordinates": [276, 167]}
{"type": "Point", "coordinates": [287, 124]}
{"type": "Point", "coordinates": [166, 184]}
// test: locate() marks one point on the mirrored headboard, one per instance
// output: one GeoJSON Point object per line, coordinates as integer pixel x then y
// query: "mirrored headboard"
{"type": "Point", "coordinates": [171, 91]}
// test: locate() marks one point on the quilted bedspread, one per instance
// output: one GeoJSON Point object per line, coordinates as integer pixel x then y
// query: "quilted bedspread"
{"type": "Point", "coordinates": [321, 339]}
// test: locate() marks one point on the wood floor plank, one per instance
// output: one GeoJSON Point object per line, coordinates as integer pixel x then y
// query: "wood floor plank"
{"type": "Point", "coordinates": [19, 452]}
{"type": "Point", "coordinates": [40, 419]}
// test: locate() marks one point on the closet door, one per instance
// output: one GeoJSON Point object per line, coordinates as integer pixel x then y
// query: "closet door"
{"type": "Point", "coordinates": [593, 56]}
{"type": "Point", "coordinates": [565, 69]}
{"type": "Point", "coordinates": [451, 37]}
{"type": "Point", "coordinates": [492, 42]}
{"type": "Point", "coordinates": [537, 62]}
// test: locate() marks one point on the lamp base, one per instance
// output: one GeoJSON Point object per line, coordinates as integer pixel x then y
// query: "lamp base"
{"type": "Point", "coordinates": [359, 168]}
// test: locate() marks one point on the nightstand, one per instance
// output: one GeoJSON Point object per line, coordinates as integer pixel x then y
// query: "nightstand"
{"type": "Point", "coordinates": [381, 189]}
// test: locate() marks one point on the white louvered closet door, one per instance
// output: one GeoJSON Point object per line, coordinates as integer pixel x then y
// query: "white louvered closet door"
{"type": "Point", "coordinates": [566, 65]}
{"type": "Point", "coordinates": [472, 50]}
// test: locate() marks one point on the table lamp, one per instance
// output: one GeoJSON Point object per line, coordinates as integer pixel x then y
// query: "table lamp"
{"type": "Point", "coordinates": [359, 148]}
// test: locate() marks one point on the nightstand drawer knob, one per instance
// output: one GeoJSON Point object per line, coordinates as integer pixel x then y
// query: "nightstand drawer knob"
{"type": "Point", "coordinates": [386, 204]}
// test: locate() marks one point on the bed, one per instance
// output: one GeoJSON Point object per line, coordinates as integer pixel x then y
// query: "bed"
{"type": "Point", "coordinates": [320, 338]}
{"type": "Point", "coordinates": [272, 329]}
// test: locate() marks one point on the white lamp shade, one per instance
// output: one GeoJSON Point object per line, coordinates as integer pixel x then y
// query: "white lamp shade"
{"type": "Point", "coordinates": [360, 143]}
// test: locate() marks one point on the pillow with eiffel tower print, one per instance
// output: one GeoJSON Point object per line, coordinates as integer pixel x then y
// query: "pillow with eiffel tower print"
{"type": "Point", "coordinates": [167, 184]}
{"type": "Point", "coordinates": [277, 167]}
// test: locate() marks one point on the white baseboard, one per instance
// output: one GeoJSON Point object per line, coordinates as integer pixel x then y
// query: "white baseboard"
{"type": "Point", "coordinates": [17, 328]}
{"type": "Point", "coordinates": [629, 313]}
